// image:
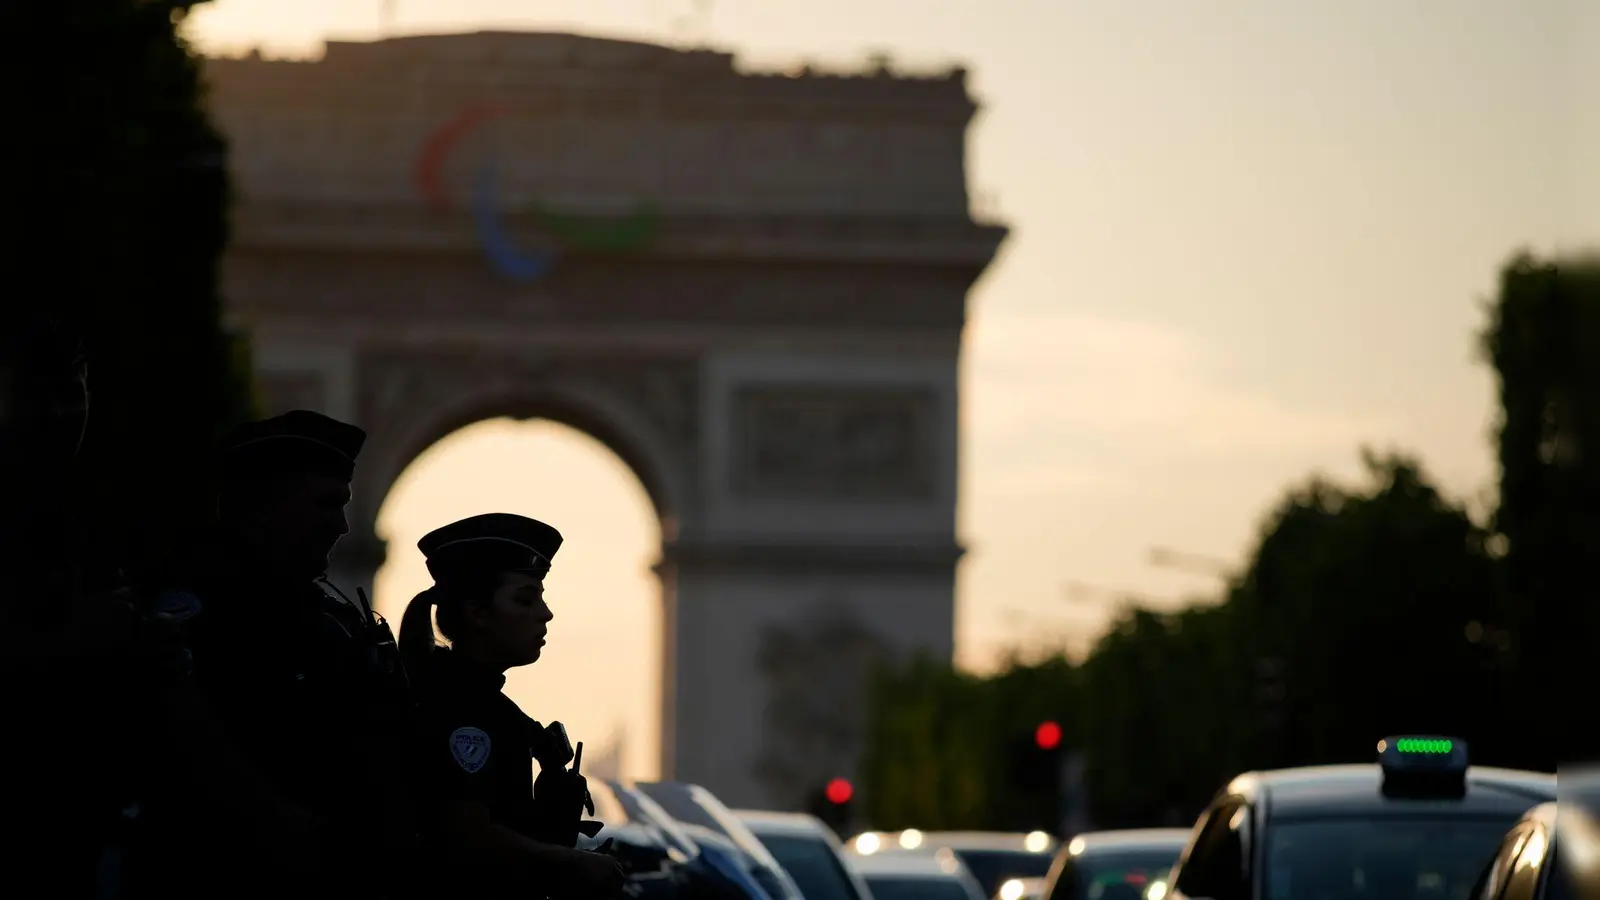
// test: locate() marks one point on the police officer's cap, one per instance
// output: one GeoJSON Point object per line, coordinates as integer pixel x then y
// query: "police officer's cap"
{"type": "Point", "coordinates": [493, 542]}
{"type": "Point", "coordinates": [296, 442]}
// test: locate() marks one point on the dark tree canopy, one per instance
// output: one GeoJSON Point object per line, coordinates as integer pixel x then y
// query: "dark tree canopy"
{"type": "Point", "coordinates": [117, 216]}
{"type": "Point", "coordinates": [1543, 340]}
{"type": "Point", "coordinates": [1365, 611]}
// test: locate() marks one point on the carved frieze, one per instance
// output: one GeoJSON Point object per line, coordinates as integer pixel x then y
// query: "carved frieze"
{"type": "Point", "coordinates": [664, 392]}
{"type": "Point", "coordinates": [398, 288]}
{"type": "Point", "coordinates": [834, 442]}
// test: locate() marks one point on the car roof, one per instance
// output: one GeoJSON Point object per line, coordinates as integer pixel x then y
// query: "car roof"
{"type": "Point", "coordinates": [651, 814]}
{"type": "Point", "coordinates": [983, 840]}
{"type": "Point", "coordinates": [1353, 789]}
{"type": "Point", "coordinates": [1093, 842]}
{"type": "Point", "coordinates": [1544, 813]}
{"type": "Point", "coordinates": [1580, 785]}
{"type": "Point", "coordinates": [907, 865]}
{"type": "Point", "coordinates": [715, 838]}
{"type": "Point", "coordinates": [787, 823]}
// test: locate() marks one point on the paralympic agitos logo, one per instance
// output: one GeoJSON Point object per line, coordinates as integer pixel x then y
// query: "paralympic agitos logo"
{"type": "Point", "coordinates": [510, 261]}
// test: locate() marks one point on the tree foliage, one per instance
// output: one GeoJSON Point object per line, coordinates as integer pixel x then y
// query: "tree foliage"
{"type": "Point", "coordinates": [1161, 707]}
{"type": "Point", "coordinates": [1364, 611]}
{"type": "Point", "coordinates": [928, 751]}
{"type": "Point", "coordinates": [1375, 600]}
{"type": "Point", "coordinates": [118, 219]}
{"type": "Point", "coordinates": [936, 749]}
{"type": "Point", "coordinates": [1543, 340]}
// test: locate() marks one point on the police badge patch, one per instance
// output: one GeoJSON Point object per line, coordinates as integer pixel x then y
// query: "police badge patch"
{"type": "Point", "coordinates": [470, 747]}
{"type": "Point", "coordinates": [176, 606]}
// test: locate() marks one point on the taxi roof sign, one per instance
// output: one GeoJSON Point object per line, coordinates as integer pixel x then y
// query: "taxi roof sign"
{"type": "Point", "coordinates": [1423, 766]}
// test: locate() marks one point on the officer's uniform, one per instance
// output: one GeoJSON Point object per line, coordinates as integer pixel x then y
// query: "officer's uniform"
{"type": "Point", "coordinates": [474, 741]}
{"type": "Point", "coordinates": [78, 664]}
{"type": "Point", "coordinates": [306, 679]}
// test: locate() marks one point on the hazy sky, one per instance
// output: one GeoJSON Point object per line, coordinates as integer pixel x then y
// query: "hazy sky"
{"type": "Point", "coordinates": [1248, 237]}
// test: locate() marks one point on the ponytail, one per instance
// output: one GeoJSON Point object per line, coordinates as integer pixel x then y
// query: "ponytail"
{"type": "Point", "coordinates": [448, 594]}
{"type": "Point", "coordinates": [416, 631]}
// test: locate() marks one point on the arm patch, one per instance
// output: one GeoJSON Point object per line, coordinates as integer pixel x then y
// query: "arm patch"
{"type": "Point", "coordinates": [470, 748]}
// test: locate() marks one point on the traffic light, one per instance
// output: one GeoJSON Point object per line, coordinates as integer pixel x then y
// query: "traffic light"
{"type": "Point", "coordinates": [1047, 736]}
{"type": "Point", "coordinates": [1271, 708]}
{"type": "Point", "coordinates": [1034, 774]}
{"type": "Point", "coordinates": [833, 804]}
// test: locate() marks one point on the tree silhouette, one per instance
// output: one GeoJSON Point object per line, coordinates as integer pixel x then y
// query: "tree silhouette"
{"type": "Point", "coordinates": [117, 207]}
{"type": "Point", "coordinates": [1543, 340]}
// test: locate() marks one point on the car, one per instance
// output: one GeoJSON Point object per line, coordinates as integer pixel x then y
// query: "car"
{"type": "Point", "coordinates": [809, 851]}
{"type": "Point", "coordinates": [729, 859]}
{"type": "Point", "coordinates": [663, 861]}
{"type": "Point", "coordinates": [1021, 889]}
{"type": "Point", "coordinates": [693, 805]}
{"type": "Point", "coordinates": [993, 857]}
{"type": "Point", "coordinates": [1104, 865]}
{"type": "Point", "coordinates": [619, 807]}
{"type": "Point", "coordinates": [1530, 863]}
{"type": "Point", "coordinates": [1417, 823]}
{"type": "Point", "coordinates": [656, 863]}
{"type": "Point", "coordinates": [917, 876]}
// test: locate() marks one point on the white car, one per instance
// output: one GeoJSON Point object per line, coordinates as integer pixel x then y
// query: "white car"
{"type": "Point", "coordinates": [692, 804]}
{"type": "Point", "coordinates": [993, 857]}
{"type": "Point", "coordinates": [811, 854]}
{"type": "Point", "coordinates": [917, 876]}
{"type": "Point", "coordinates": [1021, 889]}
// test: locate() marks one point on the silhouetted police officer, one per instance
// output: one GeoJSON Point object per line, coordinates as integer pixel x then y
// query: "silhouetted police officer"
{"type": "Point", "coordinates": [89, 680]}
{"type": "Point", "coordinates": [58, 640]}
{"type": "Point", "coordinates": [306, 682]}
{"type": "Point", "coordinates": [492, 829]}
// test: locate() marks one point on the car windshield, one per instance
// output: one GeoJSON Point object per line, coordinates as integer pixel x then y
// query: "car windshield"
{"type": "Point", "coordinates": [1392, 858]}
{"type": "Point", "coordinates": [813, 866]}
{"type": "Point", "coordinates": [992, 867]}
{"type": "Point", "coordinates": [891, 887]}
{"type": "Point", "coordinates": [1107, 875]}
{"type": "Point", "coordinates": [642, 809]}
{"type": "Point", "coordinates": [607, 808]}
{"type": "Point", "coordinates": [679, 803]}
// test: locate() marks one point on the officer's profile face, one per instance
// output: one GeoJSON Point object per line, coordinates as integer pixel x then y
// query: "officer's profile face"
{"type": "Point", "coordinates": [302, 517]}
{"type": "Point", "coordinates": [514, 623]}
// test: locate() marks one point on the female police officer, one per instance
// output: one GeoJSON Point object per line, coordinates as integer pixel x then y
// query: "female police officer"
{"type": "Point", "coordinates": [476, 746]}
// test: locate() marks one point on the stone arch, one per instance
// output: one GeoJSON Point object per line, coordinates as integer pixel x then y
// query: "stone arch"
{"type": "Point", "coordinates": [604, 414]}
{"type": "Point", "coordinates": [776, 362]}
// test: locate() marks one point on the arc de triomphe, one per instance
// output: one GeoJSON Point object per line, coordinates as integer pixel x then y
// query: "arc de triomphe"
{"type": "Point", "coordinates": [756, 299]}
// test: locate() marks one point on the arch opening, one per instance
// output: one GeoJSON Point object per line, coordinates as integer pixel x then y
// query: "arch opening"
{"type": "Point", "coordinates": [613, 422]}
{"type": "Point", "coordinates": [601, 672]}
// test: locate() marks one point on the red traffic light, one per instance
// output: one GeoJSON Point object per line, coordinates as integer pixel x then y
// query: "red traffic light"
{"type": "Point", "coordinates": [1047, 736]}
{"type": "Point", "coordinates": [839, 791]}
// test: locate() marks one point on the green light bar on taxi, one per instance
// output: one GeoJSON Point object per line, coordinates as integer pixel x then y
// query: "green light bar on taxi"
{"type": "Point", "coordinates": [1430, 746]}
{"type": "Point", "coordinates": [1423, 766]}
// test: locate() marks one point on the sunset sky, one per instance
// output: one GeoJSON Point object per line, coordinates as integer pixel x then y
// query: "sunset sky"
{"type": "Point", "coordinates": [1249, 235]}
